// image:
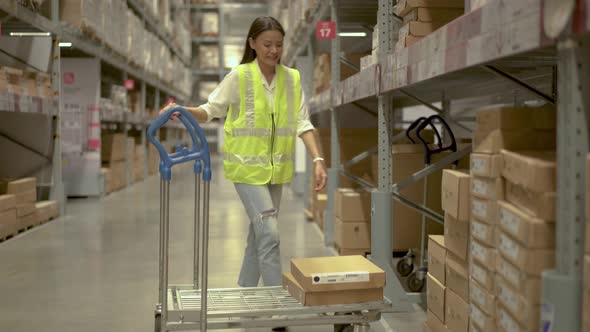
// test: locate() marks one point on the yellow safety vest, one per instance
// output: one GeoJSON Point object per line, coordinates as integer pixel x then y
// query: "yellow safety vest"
{"type": "Point", "coordinates": [259, 145]}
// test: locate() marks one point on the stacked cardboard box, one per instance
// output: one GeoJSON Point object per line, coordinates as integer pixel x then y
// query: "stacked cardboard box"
{"type": "Point", "coordinates": [25, 193]}
{"type": "Point", "coordinates": [113, 157]}
{"type": "Point", "coordinates": [455, 202]}
{"type": "Point", "coordinates": [422, 17]}
{"type": "Point", "coordinates": [153, 159]}
{"type": "Point", "coordinates": [8, 221]}
{"type": "Point", "coordinates": [139, 163]}
{"type": "Point", "coordinates": [526, 241]}
{"type": "Point", "coordinates": [436, 284]}
{"type": "Point", "coordinates": [47, 210]}
{"type": "Point", "coordinates": [85, 15]}
{"type": "Point", "coordinates": [322, 72]}
{"type": "Point", "coordinates": [334, 280]}
{"type": "Point", "coordinates": [352, 227]}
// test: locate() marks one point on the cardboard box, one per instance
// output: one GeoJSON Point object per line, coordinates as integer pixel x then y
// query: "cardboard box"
{"type": "Point", "coordinates": [455, 193]}
{"type": "Point", "coordinates": [26, 196]}
{"type": "Point", "coordinates": [532, 261]}
{"type": "Point", "coordinates": [505, 322]}
{"type": "Point", "coordinates": [484, 275]}
{"type": "Point", "coordinates": [353, 205]}
{"type": "Point", "coordinates": [486, 165]}
{"type": "Point", "coordinates": [457, 312]}
{"type": "Point", "coordinates": [487, 188]}
{"type": "Point", "coordinates": [25, 209]}
{"type": "Point", "coordinates": [534, 170]}
{"type": "Point", "coordinates": [352, 235]}
{"type": "Point", "coordinates": [406, 41]}
{"type": "Point", "coordinates": [8, 216]}
{"type": "Point", "coordinates": [434, 323]}
{"type": "Point", "coordinates": [533, 233]}
{"type": "Point", "coordinates": [7, 202]}
{"type": "Point", "coordinates": [308, 298]}
{"type": "Point", "coordinates": [458, 276]}
{"type": "Point", "coordinates": [586, 308]}
{"type": "Point", "coordinates": [518, 278]}
{"type": "Point", "coordinates": [435, 297]}
{"type": "Point", "coordinates": [526, 139]}
{"type": "Point", "coordinates": [525, 310]}
{"type": "Point", "coordinates": [483, 254]}
{"type": "Point", "coordinates": [432, 14]}
{"type": "Point", "coordinates": [484, 210]}
{"type": "Point", "coordinates": [403, 7]}
{"type": "Point", "coordinates": [484, 299]}
{"type": "Point", "coordinates": [482, 321]}
{"type": "Point", "coordinates": [541, 205]}
{"type": "Point", "coordinates": [112, 147]}
{"type": "Point", "coordinates": [504, 118]}
{"type": "Point", "coordinates": [485, 233]}
{"type": "Point", "coordinates": [17, 186]}
{"type": "Point", "coordinates": [47, 210]}
{"type": "Point", "coordinates": [321, 274]}
{"type": "Point", "coordinates": [457, 236]}
{"type": "Point", "coordinates": [437, 255]}
{"type": "Point", "coordinates": [419, 29]}
{"type": "Point", "coordinates": [32, 219]}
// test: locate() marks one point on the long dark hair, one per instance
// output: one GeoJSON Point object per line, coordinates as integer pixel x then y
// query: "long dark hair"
{"type": "Point", "coordinates": [260, 25]}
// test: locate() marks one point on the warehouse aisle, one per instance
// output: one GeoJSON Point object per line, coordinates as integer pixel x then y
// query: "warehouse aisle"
{"type": "Point", "coordinates": [96, 269]}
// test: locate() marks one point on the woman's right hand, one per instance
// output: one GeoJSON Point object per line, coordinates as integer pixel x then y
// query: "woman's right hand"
{"type": "Point", "coordinates": [167, 107]}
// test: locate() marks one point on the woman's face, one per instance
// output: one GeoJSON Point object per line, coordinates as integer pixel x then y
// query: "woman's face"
{"type": "Point", "coordinates": [268, 46]}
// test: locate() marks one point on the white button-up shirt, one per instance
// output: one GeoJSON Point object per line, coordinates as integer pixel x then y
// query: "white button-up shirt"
{"type": "Point", "coordinates": [228, 92]}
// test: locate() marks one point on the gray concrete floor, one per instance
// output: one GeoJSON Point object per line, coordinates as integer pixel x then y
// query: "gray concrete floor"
{"type": "Point", "coordinates": [96, 268]}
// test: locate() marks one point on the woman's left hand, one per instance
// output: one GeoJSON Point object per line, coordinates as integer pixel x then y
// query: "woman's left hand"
{"type": "Point", "coordinates": [321, 177]}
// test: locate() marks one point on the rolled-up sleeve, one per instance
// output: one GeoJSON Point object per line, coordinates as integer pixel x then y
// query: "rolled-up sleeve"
{"type": "Point", "coordinates": [303, 123]}
{"type": "Point", "coordinates": [225, 94]}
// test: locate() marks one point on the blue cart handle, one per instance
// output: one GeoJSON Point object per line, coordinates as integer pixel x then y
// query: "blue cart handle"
{"type": "Point", "coordinates": [199, 152]}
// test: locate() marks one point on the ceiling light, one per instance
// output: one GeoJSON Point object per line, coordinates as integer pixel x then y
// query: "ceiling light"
{"type": "Point", "coordinates": [30, 34]}
{"type": "Point", "coordinates": [352, 34]}
{"type": "Point", "coordinates": [65, 44]}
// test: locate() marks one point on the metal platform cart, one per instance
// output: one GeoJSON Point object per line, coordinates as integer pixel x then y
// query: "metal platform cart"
{"type": "Point", "coordinates": [405, 266]}
{"type": "Point", "coordinates": [188, 307]}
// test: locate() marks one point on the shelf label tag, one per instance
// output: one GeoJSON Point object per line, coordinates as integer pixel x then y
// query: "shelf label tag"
{"type": "Point", "coordinates": [129, 84]}
{"type": "Point", "coordinates": [325, 30]}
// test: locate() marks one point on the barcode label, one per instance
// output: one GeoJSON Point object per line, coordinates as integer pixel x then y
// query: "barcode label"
{"type": "Point", "coordinates": [508, 298]}
{"type": "Point", "coordinates": [479, 209]}
{"type": "Point", "coordinates": [480, 187]}
{"type": "Point", "coordinates": [509, 221]}
{"type": "Point", "coordinates": [479, 252]}
{"type": "Point", "coordinates": [509, 273]}
{"type": "Point", "coordinates": [480, 231]}
{"type": "Point", "coordinates": [339, 277]}
{"type": "Point", "coordinates": [478, 166]}
{"type": "Point", "coordinates": [508, 247]}
{"type": "Point", "coordinates": [479, 274]}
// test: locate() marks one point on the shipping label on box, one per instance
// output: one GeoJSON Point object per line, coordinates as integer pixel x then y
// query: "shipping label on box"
{"type": "Point", "coordinates": [541, 205]}
{"type": "Point", "coordinates": [486, 165]}
{"type": "Point", "coordinates": [435, 294]}
{"type": "Point", "coordinates": [482, 321]}
{"type": "Point", "coordinates": [485, 276]}
{"type": "Point", "coordinates": [7, 202]}
{"type": "Point", "coordinates": [534, 170]}
{"type": "Point", "coordinates": [483, 254]}
{"type": "Point", "coordinates": [456, 236]}
{"type": "Point", "coordinates": [532, 261]}
{"type": "Point", "coordinates": [455, 193]}
{"type": "Point", "coordinates": [526, 311]}
{"type": "Point", "coordinates": [484, 299]}
{"type": "Point", "coordinates": [458, 276]}
{"type": "Point", "coordinates": [518, 278]}
{"type": "Point", "coordinates": [485, 233]}
{"type": "Point", "coordinates": [488, 188]}
{"type": "Point", "coordinates": [437, 254]}
{"type": "Point", "coordinates": [304, 270]}
{"type": "Point", "coordinates": [457, 312]}
{"type": "Point", "coordinates": [532, 232]}
{"type": "Point", "coordinates": [484, 210]}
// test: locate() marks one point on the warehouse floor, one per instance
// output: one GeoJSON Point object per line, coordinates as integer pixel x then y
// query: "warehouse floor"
{"type": "Point", "coordinates": [95, 270]}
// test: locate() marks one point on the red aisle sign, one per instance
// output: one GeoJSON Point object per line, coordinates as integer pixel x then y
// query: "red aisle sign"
{"type": "Point", "coordinates": [129, 84]}
{"type": "Point", "coordinates": [325, 30]}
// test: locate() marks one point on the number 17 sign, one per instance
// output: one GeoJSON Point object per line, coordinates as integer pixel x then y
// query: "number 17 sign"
{"type": "Point", "coordinates": [325, 30]}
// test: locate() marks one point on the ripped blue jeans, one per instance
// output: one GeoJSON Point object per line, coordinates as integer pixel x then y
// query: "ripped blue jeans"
{"type": "Point", "coordinates": [262, 256]}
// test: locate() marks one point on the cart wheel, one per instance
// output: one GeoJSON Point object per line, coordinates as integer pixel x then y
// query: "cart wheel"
{"type": "Point", "coordinates": [415, 284]}
{"type": "Point", "coordinates": [158, 323]}
{"type": "Point", "coordinates": [404, 268]}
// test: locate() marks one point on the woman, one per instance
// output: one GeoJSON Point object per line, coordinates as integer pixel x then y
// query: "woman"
{"type": "Point", "coordinates": [265, 110]}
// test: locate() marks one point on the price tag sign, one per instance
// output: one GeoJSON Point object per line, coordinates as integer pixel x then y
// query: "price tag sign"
{"type": "Point", "coordinates": [129, 84]}
{"type": "Point", "coordinates": [325, 30]}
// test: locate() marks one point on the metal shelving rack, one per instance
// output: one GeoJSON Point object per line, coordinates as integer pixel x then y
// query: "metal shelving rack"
{"type": "Point", "coordinates": [506, 50]}
{"type": "Point", "coordinates": [33, 21]}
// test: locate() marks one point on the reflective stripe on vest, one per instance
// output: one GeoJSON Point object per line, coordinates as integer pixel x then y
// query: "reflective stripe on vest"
{"type": "Point", "coordinates": [251, 153]}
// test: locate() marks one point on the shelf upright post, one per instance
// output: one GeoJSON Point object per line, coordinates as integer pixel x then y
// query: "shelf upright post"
{"type": "Point", "coordinates": [381, 199]}
{"type": "Point", "coordinates": [333, 171]}
{"type": "Point", "coordinates": [57, 191]}
{"type": "Point", "coordinates": [55, 11]}
{"type": "Point", "coordinates": [144, 128]}
{"type": "Point", "coordinates": [126, 132]}
{"type": "Point", "coordinates": [561, 308]}
{"type": "Point", "coordinates": [221, 39]}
